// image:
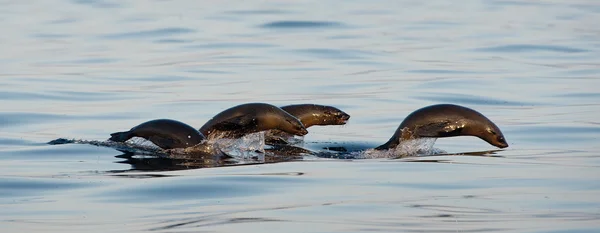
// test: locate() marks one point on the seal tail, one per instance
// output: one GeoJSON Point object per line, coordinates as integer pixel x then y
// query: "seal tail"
{"type": "Point", "coordinates": [120, 136]}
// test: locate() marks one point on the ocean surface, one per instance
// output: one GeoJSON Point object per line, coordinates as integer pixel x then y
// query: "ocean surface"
{"type": "Point", "coordinates": [82, 69]}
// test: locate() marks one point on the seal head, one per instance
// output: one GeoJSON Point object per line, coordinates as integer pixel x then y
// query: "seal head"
{"type": "Point", "coordinates": [446, 120]}
{"type": "Point", "coordinates": [165, 133]}
{"type": "Point", "coordinates": [249, 118]}
{"type": "Point", "coordinates": [309, 115]}
{"type": "Point", "coordinates": [314, 114]}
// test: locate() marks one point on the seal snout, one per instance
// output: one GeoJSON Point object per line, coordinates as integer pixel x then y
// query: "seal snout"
{"type": "Point", "coordinates": [493, 135]}
{"type": "Point", "coordinates": [302, 132]}
{"type": "Point", "coordinates": [339, 118]}
{"type": "Point", "coordinates": [343, 118]}
{"type": "Point", "coordinates": [501, 142]}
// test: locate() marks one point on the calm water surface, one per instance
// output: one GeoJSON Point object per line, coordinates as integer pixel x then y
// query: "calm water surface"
{"type": "Point", "coordinates": [85, 68]}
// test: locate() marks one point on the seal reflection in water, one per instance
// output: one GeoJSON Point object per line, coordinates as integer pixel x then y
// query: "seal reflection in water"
{"type": "Point", "coordinates": [446, 120]}
{"type": "Point", "coordinates": [244, 119]}
{"type": "Point", "coordinates": [165, 133]}
{"type": "Point", "coordinates": [309, 115]}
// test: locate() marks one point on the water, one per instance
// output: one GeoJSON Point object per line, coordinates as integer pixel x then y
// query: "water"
{"type": "Point", "coordinates": [84, 69]}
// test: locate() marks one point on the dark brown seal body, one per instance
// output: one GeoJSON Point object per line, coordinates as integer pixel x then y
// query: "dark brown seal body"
{"type": "Point", "coordinates": [249, 118]}
{"type": "Point", "coordinates": [446, 120]}
{"type": "Point", "coordinates": [314, 114]}
{"type": "Point", "coordinates": [309, 115]}
{"type": "Point", "coordinates": [165, 133]}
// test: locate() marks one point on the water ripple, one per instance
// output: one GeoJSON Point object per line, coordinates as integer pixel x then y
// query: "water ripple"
{"type": "Point", "coordinates": [258, 12]}
{"type": "Point", "coordinates": [97, 3]}
{"type": "Point", "coordinates": [301, 24]}
{"type": "Point", "coordinates": [518, 3]}
{"type": "Point", "coordinates": [24, 118]}
{"type": "Point", "coordinates": [51, 35]}
{"type": "Point", "coordinates": [199, 188]}
{"type": "Point", "coordinates": [468, 99]}
{"type": "Point", "coordinates": [238, 45]}
{"type": "Point", "coordinates": [14, 142]}
{"type": "Point", "coordinates": [149, 33]}
{"type": "Point", "coordinates": [80, 61]}
{"type": "Point", "coordinates": [442, 71]}
{"type": "Point", "coordinates": [59, 95]}
{"type": "Point", "coordinates": [171, 41]}
{"type": "Point", "coordinates": [341, 54]}
{"type": "Point", "coordinates": [528, 48]}
{"type": "Point", "coordinates": [12, 187]}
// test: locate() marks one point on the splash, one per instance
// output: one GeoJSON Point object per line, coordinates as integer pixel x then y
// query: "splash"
{"type": "Point", "coordinates": [295, 140]}
{"type": "Point", "coordinates": [406, 148]}
{"type": "Point", "coordinates": [142, 146]}
{"type": "Point", "coordinates": [249, 146]}
{"type": "Point", "coordinates": [142, 142]}
{"type": "Point", "coordinates": [123, 146]}
{"type": "Point", "coordinates": [277, 136]}
{"type": "Point", "coordinates": [202, 149]}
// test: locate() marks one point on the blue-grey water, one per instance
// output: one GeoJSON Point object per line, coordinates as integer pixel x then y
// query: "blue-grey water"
{"type": "Point", "coordinates": [83, 69]}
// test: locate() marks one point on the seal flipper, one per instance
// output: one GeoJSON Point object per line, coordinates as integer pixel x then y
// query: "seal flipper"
{"type": "Point", "coordinates": [120, 136]}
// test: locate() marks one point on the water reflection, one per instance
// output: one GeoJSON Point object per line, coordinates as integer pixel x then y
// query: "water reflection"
{"type": "Point", "coordinates": [159, 163]}
{"type": "Point", "coordinates": [277, 154]}
{"type": "Point", "coordinates": [404, 215]}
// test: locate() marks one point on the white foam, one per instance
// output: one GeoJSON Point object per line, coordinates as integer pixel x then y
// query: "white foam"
{"type": "Point", "coordinates": [247, 147]}
{"type": "Point", "coordinates": [289, 138]}
{"type": "Point", "coordinates": [413, 147]}
{"type": "Point", "coordinates": [142, 142]}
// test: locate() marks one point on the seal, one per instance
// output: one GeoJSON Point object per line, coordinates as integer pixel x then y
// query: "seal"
{"type": "Point", "coordinates": [165, 133]}
{"type": "Point", "coordinates": [309, 115]}
{"type": "Point", "coordinates": [243, 119]}
{"type": "Point", "coordinates": [314, 114]}
{"type": "Point", "coordinates": [446, 120]}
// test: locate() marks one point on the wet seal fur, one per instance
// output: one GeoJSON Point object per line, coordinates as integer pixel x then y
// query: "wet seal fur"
{"type": "Point", "coordinates": [314, 114]}
{"type": "Point", "coordinates": [165, 133]}
{"type": "Point", "coordinates": [309, 115]}
{"type": "Point", "coordinates": [243, 119]}
{"type": "Point", "coordinates": [446, 120]}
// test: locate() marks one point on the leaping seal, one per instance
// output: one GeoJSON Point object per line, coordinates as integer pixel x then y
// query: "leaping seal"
{"type": "Point", "coordinates": [249, 118]}
{"type": "Point", "coordinates": [314, 114]}
{"type": "Point", "coordinates": [309, 115]}
{"type": "Point", "coordinates": [446, 120]}
{"type": "Point", "coordinates": [165, 133]}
